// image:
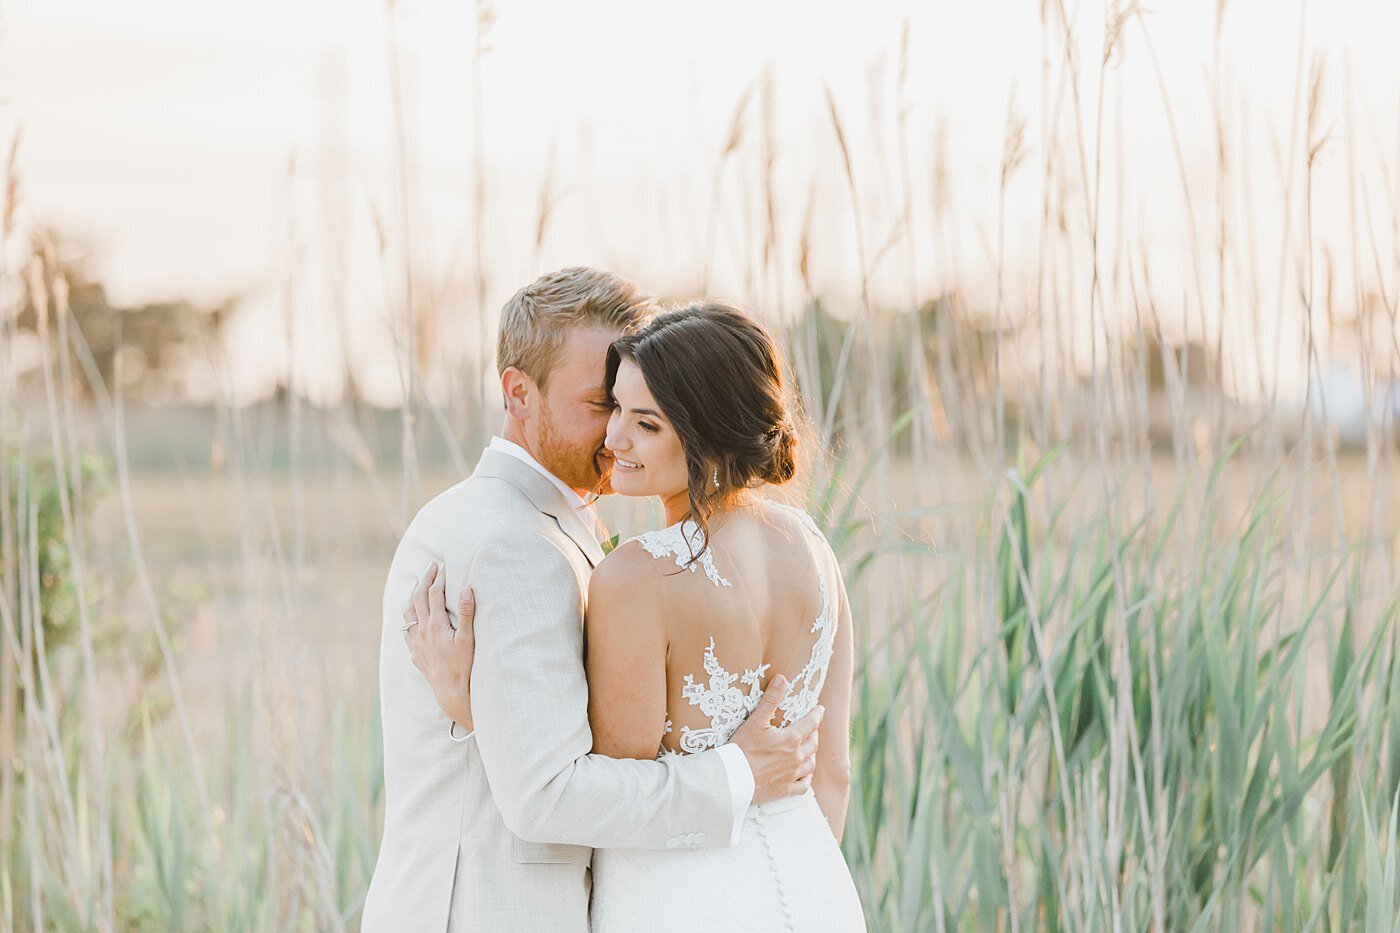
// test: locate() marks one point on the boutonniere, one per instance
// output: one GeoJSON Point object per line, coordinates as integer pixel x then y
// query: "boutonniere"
{"type": "Point", "coordinates": [610, 544]}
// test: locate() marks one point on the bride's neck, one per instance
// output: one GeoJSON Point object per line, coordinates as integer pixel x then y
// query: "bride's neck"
{"type": "Point", "coordinates": [677, 506]}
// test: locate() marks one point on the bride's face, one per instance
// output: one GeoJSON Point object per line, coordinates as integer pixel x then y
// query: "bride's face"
{"type": "Point", "coordinates": [648, 459]}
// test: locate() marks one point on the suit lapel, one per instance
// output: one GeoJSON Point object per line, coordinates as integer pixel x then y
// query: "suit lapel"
{"type": "Point", "coordinates": [544, 497]}
{"type": "Point", "coordinates": [572, 524]}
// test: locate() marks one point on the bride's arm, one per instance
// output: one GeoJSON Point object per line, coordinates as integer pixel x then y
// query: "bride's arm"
{"type": "Point", "coordinates": [625, 648]}
{"type": "Point", "coordinates": [832, 781]}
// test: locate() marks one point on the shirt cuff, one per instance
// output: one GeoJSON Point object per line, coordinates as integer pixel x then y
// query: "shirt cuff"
{"type": "Point", "coordinates": [741, 786]}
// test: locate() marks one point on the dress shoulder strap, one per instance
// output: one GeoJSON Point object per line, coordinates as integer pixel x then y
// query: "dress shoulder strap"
{"type": "Point", "coordinates": [684, 541]}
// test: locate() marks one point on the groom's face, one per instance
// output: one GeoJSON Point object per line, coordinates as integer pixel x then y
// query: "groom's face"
{"type": "Point", "coordinates": [573, 413]}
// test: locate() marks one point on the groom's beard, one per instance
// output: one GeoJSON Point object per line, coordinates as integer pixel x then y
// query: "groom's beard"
{"type": "Point", "coordinates": [580, 466]}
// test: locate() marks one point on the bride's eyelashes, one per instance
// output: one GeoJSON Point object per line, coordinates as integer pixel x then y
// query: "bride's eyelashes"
{"type": "Point", "coordinates": [646, 426]}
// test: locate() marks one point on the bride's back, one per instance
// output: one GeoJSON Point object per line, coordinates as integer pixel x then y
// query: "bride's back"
{"type": "Point", "coordinates": [684, 631]}
{"type": "Point", "coordinates": [761, 601]}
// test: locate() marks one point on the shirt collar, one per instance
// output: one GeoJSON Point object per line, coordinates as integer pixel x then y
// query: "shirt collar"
{"type": "Point", "coordinates": [513, 449]}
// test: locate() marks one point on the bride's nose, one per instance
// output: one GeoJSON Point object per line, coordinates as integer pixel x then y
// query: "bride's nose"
{"type": "Point", "coordinates": [613, 440]}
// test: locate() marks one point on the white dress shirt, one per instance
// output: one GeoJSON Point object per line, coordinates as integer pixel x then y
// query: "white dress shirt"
{"type": "Point", "coordinates": [736, 765]}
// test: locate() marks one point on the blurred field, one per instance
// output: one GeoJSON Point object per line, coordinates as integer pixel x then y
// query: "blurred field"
{"type": "Point", "coordinates": [271, 581]}
{"type": "Point", "coordinates": [1126, 677]}
{"type": "Point", "coordinates": [193, 528]}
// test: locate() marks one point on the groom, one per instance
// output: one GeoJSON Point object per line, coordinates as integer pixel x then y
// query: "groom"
{"type": "Point", "coordinates": [491, 830]}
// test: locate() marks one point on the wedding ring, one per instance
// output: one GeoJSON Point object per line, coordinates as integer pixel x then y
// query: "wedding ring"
{"type": "Point", "coordinates": [409, 626]}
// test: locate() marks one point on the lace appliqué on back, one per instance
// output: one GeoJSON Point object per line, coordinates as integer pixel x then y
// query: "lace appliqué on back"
{"type": "Point", "coordinates": [725, 704]}
{"type": "Point", "coordinates": [807, 685]}
{"type": "Point", "coordinates": [683, 541]}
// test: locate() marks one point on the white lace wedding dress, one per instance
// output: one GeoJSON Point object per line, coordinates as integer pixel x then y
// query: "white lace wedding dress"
{"type": "Point", "coordinates": [787, 872]}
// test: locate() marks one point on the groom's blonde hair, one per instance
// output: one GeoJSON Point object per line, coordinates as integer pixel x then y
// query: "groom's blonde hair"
{"type": "Point", "coordinates": [537, 318]}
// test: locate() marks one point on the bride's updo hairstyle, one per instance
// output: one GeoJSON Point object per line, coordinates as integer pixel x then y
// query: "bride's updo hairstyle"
{"type": "Point", "coordinates": [717, 376]}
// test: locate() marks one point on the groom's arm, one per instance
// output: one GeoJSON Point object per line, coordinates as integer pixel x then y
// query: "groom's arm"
{"type": "Point", "coordinates": [530, 710]}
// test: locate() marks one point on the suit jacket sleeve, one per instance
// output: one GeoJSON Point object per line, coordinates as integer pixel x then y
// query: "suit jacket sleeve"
{"type": "Point", "coordinates": [530, 709]}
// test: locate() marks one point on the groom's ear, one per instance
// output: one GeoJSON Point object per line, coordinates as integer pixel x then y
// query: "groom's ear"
{"type": "Point", "coordinates": [519, 392]}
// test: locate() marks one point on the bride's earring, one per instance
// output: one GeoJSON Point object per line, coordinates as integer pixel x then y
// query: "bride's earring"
{"type": "Point", "coordinates": [715, 478]}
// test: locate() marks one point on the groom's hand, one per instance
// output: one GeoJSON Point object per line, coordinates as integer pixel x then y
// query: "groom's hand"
{"type": "Point", "coordinates": [442, 651]}
{"type": "Point", "coordinates": [782, 760]}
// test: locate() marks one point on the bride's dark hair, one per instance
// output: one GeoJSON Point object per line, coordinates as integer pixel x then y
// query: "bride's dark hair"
{"type": "Point", "coordinates": [718, 378]}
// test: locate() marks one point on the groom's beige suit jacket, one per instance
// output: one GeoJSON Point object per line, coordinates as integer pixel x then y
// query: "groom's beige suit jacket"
{"type": "Point", "coordinates": [494, 833]}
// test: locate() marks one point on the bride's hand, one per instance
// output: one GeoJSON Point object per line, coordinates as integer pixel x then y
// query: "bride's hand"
{"type": "Point", "coordinates": [442, 651]}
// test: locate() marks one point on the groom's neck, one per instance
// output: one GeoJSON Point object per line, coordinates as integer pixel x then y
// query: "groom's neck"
{"type": "Point", "coordinates": [514, 432]}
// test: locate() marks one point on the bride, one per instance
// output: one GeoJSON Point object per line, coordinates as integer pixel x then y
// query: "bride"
{"type": "Point", "coordinates": [686, 625]}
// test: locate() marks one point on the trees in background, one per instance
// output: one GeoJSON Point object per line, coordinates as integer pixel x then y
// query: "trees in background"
{"type": "Point", "coordinates": [157, 349]}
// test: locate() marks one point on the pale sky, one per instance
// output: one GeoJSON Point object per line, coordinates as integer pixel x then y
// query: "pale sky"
{"type": "Point", "coordinates": [206, 149]}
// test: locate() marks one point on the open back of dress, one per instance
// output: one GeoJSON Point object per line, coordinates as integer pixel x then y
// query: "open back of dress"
{"type": "Point", "coordinates": [726, 641]}
{"type": "Point", "coordinates": [758, 599]}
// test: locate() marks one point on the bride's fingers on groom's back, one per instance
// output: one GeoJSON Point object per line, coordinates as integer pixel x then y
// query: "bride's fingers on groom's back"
{"type": "Point", "coordinates": [413, 638]}
{"type": "Point", "coordinates": [466, 610]}
{"type": "Point", "coordinates": [462, 632]}
{"type": "Point", "coordinates": [420, 593]}
{"type": "Point", "coordinates": [437, 600]}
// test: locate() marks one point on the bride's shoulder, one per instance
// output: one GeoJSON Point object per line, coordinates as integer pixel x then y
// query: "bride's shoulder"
{"type": "Point", "coordinates": [624, 590]}
{"type": "Point", "coordinates": [628, 566]}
